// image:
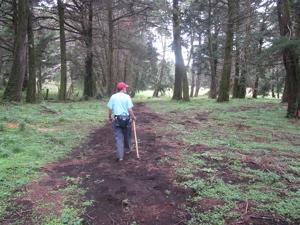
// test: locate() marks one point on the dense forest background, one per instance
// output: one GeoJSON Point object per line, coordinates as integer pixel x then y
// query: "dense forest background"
{"type": "Point", "coordinates": [231, 47]}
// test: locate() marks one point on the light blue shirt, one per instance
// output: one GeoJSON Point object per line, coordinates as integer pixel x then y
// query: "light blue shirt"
{"type": "Point", "coordinates": [120, 103]}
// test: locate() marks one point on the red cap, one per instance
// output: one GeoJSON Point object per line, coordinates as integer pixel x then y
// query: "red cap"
{"type": "Point", "coordinates": [122, 85]}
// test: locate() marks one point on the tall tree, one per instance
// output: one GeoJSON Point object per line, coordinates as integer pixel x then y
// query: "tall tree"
{"type": "Point", "coordinates": [225, 76]}
{"type": "Point", "coordinates": [290, 60]}
{"type": "Point", "coordinates": [242, 85]}
{"type": "Point", "coordinates": [181, 88]}
{"type": "Point", "coordinates": [213, 46]}
{"type": "Point", "coordinates": [110, 72]}
{"type": "Point", "coordinates": [89, 87]}
{"type": "Point", "coordinates": [31, 89]}
{"type": "Point", "coordinates": [198, 59]}
{"type": "Point", "coordinates": [79, 24]}
{"type": "Point", "coordinates": [297, 35]}
{"type": "Point", "coordinates": [63, 54]}
{"type": "Point", "coordinates": [13, 90]}
{"type": "Point", "coordinates": [162, 67]}
{"type": "Point", "coordinates": [193, 73]}
{"type": "Point", "coordinates": [261, 68]}
{"type": "Point", "coordinates": [235, 87]}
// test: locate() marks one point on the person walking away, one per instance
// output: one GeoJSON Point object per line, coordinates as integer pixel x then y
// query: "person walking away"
{"type": "Point", "coordinates": [120, 105]}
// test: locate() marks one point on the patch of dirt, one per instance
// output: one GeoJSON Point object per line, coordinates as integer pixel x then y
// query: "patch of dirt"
{"type": "Point", "coordinates": [12, 125]}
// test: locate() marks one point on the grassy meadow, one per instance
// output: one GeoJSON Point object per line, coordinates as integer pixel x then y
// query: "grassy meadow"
{"type": "Point", "coordinates": [243, 151]}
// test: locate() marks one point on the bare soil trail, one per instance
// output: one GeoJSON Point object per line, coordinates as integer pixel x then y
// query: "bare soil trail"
{"type": "Point", "coordinates": [132, 190]}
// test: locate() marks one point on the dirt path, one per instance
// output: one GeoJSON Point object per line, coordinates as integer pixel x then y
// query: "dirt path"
{"type": "Point", "coordinates": [128, 192]}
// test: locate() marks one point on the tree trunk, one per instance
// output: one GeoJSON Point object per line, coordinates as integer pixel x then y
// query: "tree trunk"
{"type": "Point", "coordinates": [198, 82]}
{"type": "Point", "coordinates": [89, 84]}
{"type": "Point", "coordinates": [1, 64]}
{"type": "Point", "coordinates": [181, 81]}
{"type": "Point", "coordinates": [31, 90]}
{"type": "Point", "coordinates": [158, 84]}
{"type": "Point", "coordinates": [193, 81]}
{"type": "Point", "coordinates": [102, 91]}
{"type": "Point", "coordinates": [291, 62]}
{"type": "Point", "coordinates": [242, 82]}
{"type": "Point", "coordinates": [255, 89]}
{"type": "Point", "coordinates": [15, 20]}
{"type": "Point", "coordinates": [261, 69]}
{"type": "Point", "coordinates": [40, 94]}
{"type": "Point", "coordinates": [110, 73]}
{"type": "Point", "coordinates": [213, 60]}
{"type": "Point", "coordinates": [235, 87]}
{"type": "Point", "coordinates": [214, 63]}
{"type": "Point", "coordinates": [225, 77]}
{"type": "Point", "coordinates": [126, 66]}
{"type": "Point", "coordinates": [162, 68]}
{"type": "Point", "coordinates": [273, 90]}
{"type": "Point", "coordinates": [63, 55]}
{"type": "Point", "coordinates": [297, 34]}
{"type": "Point", "coordinates": [133, 88]}
{"type": "Point", "coordinates": [13, 90]}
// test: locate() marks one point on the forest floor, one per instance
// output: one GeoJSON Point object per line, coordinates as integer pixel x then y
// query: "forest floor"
{"type": "Point", "coordinates": [134, 191]}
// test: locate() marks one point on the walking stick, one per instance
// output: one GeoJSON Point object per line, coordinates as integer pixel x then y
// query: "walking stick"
{"type": "Point", "coordinates": [136, 143]}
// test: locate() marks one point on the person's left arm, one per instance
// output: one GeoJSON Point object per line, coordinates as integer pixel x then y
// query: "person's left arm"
{"type": "Point", "coordinates": [131, 113]}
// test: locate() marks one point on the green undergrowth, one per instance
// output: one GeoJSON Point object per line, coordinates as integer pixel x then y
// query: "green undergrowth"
{"type": "Point", "coordinates": [235, 154]}
{"type": "Point", "coordinates": [34, 135]}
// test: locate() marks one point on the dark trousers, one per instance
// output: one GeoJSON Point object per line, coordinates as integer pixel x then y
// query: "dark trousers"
{"type": "Point", "coordinates": [123, 140]}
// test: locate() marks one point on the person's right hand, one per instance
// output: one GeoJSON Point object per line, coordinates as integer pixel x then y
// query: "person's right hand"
{"type": "Point", "coordinates": [110, 120]}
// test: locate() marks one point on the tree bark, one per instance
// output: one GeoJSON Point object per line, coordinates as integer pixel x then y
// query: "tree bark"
{"type": "Point", "coordinates": [213, 60]}
{"type": "Point", "coordinates": [133, 88]}
{"type": "Point", "coordinates": [13, 90]}
{"type": "Point", "coordinates": [260, 71]}
{"type": "Point", "coordinates": [102, 91]}
{"type": "Point", "coordinates": [110, 72]}
{"type": "Point", "coordinates": [39, 86]}
{"type": "Point", "coordinates": [255, 89]}
{"type": "Point", "coordinates": [198, 83]}
{"type": "Point", "coordinates": [31, 89]}
{"type": "Point", "coordinates": [181, 89]}
{"type": "Point", "coordinates": [162, 68]}
{"type": "Point", "coordinates": [63, 55]}
{"type": "Point", "coordinates": [297, 36]}
{"type": "Point", "coordinates": [225, 77]}
{"type": "Point", "coordinates": [161, 74]}
{"type": "Point", "coordinates": [193, 81]}
{"type": "Point", "coordinates": [89, 84]}
{"type": "Point", "coordinates": [235, 87]}
{"type": "Point", "coordinates": [291, 62]}
{"type": "Point", "coordinates": [243, 79]}
{"type": "Point", "coordinates": [261, 68]}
